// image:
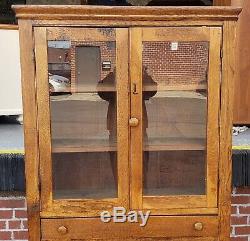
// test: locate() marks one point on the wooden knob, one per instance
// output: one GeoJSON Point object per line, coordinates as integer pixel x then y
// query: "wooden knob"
{"type": "Point", "coordinates": [133, 122]}
{"type": "Point", "coordinates": [198, 226]}
{"type": "Point", "coordinates": [62, 230]}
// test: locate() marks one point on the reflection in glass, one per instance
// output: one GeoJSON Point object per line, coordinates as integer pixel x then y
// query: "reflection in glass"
{"type": "Point", "coordinates": [175, 118]}
{"type": "Point", "coordinates": [83, 119]}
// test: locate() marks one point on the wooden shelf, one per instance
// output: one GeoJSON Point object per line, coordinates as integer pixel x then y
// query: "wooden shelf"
{"type": "Point", "coordinates": [86, 194]}
{"type": "Point", "coordinates": [67, 145]}
{"type": "Point", "coordinates": [159, 144]}
{"type": "Point", "coordinates": [74, 149]}
{"type": "Point", "coordinates": [170, 144]}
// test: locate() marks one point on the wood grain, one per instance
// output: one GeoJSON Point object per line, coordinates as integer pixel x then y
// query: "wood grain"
{"type": "Point", "coordinates": [82, 34]}
{"type": "Point", "coordinates": [156, 212]}
{"type": "Point", "coordinates": [214, 79]}
{"type": "Point", "coordinates": [176, 34]}
{"type": "Point", "coordinates": [122, 80]}
{"type": "Point", "coordinates": [142, 239]}
{"type": "Point", "coordinates": [9, 26]}
{"type": "Point", "coordinates": [125, 23]}
{"type": "Point", "coordinates": [43, 106]}
{"type": "Point", "coordinates": [157, 227]}
{"type": "Point", "coordinates": [242, 69]}
{"type": "Point", "coordinates": [226, 117]}
{"type": "Point", "coordinates": [136, 133]}
{"type": "Point", "coordinates": [124, 13]}
{"type": "Point", "coordinates": [30, 129]}
{"type": "Point", "coordinates": [182, 201]}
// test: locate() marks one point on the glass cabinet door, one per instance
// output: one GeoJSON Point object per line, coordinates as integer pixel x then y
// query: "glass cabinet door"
{"type": "Point", "coordinates": [177, 82]}
{"type": "Point", "coordinates": [82, 135]}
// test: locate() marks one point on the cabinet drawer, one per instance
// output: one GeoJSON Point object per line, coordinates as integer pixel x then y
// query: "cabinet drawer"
{"type": "Point", "coordinates": [157, 227]}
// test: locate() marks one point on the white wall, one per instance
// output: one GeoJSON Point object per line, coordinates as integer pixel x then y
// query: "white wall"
{"type": "Point", "coordinates": [10, 73]}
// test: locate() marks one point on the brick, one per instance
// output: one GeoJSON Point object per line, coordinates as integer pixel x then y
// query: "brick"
{"type": "Point", "coordinates": [6, 214]}
{"type": "Point", "coordinates": [242, 190]}
{"type": "Point", "coordinates": [16, 224]}
{"type": "Point", "coordinates": [244, 230]}
{"type": "Point", "coordinates": [233, 210]}
{"type": "Point", "coordinates": [241, 199]}
{"type": "Point", "coordinates": [5, 235]}
{"type": "Point", "coordinates": [21, 235]}
{"type": "Point", "coordinates": [244, 210]}
{"type": "Point", "coordinates": [231, 230]}
{"type": "Point", "coordinates": [20, 213]}
{"type": "Point", "coordinates": [12, 203]}
{"type": "Point", "coordinates": [2, 224]}
{"type": "Point", "coordinates": [239, 220]}
{"type": "Point", "coordinates": [239, 238]}
{"type": "Point", "coordinates": [25, 224]}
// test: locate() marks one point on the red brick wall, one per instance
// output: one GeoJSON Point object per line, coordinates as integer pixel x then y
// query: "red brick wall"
{"type": "Point", "coordinates": [240, 221]}
{"type": "Point", "coordinates": [13, 220]}
{"type": "Point", "coordinates": [186, 65]}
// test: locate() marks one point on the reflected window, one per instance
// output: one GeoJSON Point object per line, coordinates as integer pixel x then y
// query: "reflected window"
{"type": "Point", "coordinates": [83, 119]}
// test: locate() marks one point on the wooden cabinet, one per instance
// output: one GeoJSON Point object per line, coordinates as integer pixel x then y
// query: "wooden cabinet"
{"type": "Point", "coordinates": [146, 124]}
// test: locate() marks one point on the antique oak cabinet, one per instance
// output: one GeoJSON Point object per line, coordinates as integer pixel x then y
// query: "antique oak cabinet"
{"type": "Point", "coordinates": [127, 107]}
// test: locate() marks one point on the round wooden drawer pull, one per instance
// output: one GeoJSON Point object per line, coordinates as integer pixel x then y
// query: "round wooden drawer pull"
{"type": "Point", "coordinates": [133, 122]}
{"type": "Point", "coordinates": [62, 230]}
{"type": "Point", "coordinates": [198, 226]}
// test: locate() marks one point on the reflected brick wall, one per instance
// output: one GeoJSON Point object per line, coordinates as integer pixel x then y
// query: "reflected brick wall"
{"type": "Point", "coordinates": [187, 64]}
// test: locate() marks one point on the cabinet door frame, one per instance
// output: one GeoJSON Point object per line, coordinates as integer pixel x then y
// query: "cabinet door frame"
{"type": "Point", "coordinates": [182, 203]}
{"type": "Point", "coordinates": [80, 207]}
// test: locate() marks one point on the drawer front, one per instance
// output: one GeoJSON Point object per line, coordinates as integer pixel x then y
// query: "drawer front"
{"type": "Point", "coordinates": [159, 228]}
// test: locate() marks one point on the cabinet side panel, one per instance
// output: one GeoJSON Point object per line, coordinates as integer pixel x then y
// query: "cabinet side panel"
{"type": "Point", "coordinates": [30, 128]}
{"type": "Point", "coordinates": [226, 116]}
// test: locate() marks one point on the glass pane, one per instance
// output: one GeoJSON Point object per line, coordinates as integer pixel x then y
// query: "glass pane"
{"type": "Point", "coordinates": [175, 117]}
{"type": "Point", "coordinates": [83, 119]}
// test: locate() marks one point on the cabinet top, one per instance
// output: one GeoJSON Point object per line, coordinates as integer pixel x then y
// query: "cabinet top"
{"type": "Point", "coordinates": [86, 12]}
